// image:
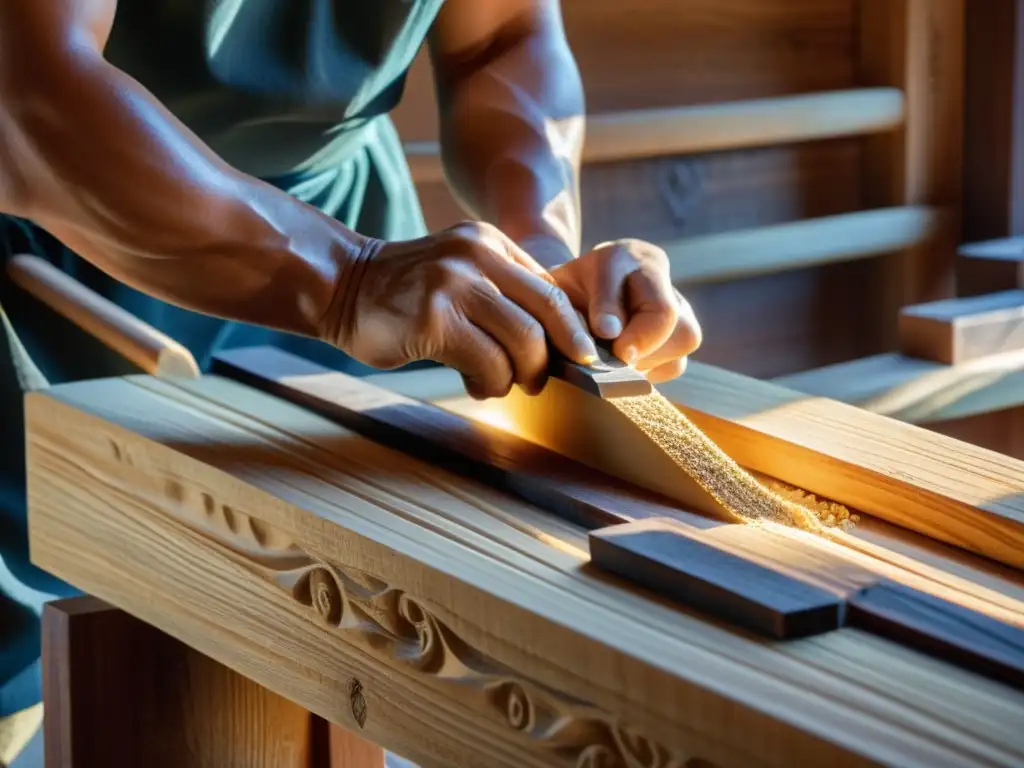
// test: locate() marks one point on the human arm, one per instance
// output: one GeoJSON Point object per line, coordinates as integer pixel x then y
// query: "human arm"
{"type": "Point", "coordinates": [512, 129]}
{"type": "Point", "coordinates": [90, 155]}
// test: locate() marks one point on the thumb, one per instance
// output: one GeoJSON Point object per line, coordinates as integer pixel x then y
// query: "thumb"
{"type": "Point", "coordinates": [607, 308]}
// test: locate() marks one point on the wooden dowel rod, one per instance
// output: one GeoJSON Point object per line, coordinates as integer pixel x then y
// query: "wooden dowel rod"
{"type": "Point", "coordinates": [136, 341]}
{"type": "Point", "coordinates": [811, 242]}
{"type": "Point", "coordinates": [713, 127]}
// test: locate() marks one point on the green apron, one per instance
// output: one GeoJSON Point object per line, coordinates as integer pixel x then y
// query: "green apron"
{"type": "Point", "coordinates": [295, 92]}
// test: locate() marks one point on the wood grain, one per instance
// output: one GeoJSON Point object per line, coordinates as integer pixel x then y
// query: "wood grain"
{"type": "Point", "coordinates": [947, 490]}
{"type": "Point", "coordinates": [960, 330]}
{"type": "Point", "coordinates": [246, 527]}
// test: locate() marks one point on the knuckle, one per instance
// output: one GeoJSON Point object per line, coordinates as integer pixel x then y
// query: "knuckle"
{"type": "Point", "coordinates": [556, 300]}
{"type": "Point", "coordinates": [530, 334]}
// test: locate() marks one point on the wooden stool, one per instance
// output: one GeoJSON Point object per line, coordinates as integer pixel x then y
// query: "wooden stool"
{"type": "Point", "coordinates": [118, 692]}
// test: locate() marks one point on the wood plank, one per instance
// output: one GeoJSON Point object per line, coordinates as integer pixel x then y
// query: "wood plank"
{"type": "Point", "coordinates": [701, 128]}
{"type": "Point", "coordinates": [683, 565]}
{"type": "Point", "coordinates": [796, 245]}
{"type": "Point", "coordinates": [201, 500]}
{"type": "Point", "coordinates": [967, 638]}
{"type": "Point", "coordinates": [955, 331]}
{"type": "Point", "coordinates": [119, 693]}
{"type": "Point", "coordinates": [919, 391]}
{"type": "Point", "coordinates": [945, 489]}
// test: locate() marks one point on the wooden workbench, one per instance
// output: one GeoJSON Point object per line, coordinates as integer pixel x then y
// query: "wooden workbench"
{"type": "Point", "coordinates": [459, 626]}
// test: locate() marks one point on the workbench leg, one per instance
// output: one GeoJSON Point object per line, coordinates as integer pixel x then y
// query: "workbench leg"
{"type": "Point", "coordinates": [119, 693]}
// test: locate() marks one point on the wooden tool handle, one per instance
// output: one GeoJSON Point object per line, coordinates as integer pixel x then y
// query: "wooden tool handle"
{"type": "Point", "coordinates": [139, 342]}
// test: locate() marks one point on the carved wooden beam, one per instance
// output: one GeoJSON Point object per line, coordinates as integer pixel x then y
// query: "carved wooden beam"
{"type": "Point", "coordinates": [320, 564]}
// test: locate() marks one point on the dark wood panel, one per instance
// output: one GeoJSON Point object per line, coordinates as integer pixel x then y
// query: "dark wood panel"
{"type": "Point", "coordinates": [994, 119]}
{"type": "Point", "coordinates": [779, 324]}
{"type": "Point", "coordinates": [693, 569]}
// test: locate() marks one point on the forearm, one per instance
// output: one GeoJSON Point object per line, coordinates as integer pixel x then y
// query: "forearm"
{"type": "Point", "coordinates": [98, 162]}
{"type": "Point", "coordinates": [512, 125]}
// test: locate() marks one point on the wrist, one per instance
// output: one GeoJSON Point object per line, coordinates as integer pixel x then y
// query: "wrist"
{"type": "Point", "coordinates": [547, 249]}
{"type": "Point", "coordinates": [336, 321]}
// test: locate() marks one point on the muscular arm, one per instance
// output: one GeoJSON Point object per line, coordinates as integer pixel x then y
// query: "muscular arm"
{"type": "Point", "coordinates": [91, 156]}
{"type": "Point", "coordinates": [512, 119]}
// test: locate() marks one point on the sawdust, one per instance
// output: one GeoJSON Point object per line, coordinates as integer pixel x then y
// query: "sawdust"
{"type": "Point", "coordinates": [742, 495]}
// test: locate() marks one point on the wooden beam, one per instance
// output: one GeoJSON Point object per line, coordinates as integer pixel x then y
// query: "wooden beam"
{"type": "Point", "coordinates": [714, 127]}
{"type": "Point", "coordinates": [305, 558]}
{"type": "Point", "coordinates": [140, 343]}
{"type": "Point", "coordinates": [955, 331]}
{"type": "Point", "coordinates": [797, 245]}
{"type": "Point", "coordinates": [918, 391]}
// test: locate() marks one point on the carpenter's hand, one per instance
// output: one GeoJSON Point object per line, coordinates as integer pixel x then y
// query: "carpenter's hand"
{"type": "Point", "coordinates": [625, 291]}
{"type": "Point", "coordinates": [468, 298]}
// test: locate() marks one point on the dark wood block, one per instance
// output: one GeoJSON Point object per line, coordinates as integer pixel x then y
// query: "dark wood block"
{"type": "Point", "coordinates": [475, 450]}
{"type": "Point", "coordinates": [691, 567]}
{"type": "Point", "coordinates": [963, 637]}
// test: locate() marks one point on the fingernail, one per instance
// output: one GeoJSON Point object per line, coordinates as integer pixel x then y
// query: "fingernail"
{"type": "Point", "coordinates": [585, 344]}
{"type": "Point", "coordinates": [608, 326]}
{"type": "Point", "coordinates": [629, 356]}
